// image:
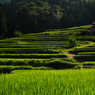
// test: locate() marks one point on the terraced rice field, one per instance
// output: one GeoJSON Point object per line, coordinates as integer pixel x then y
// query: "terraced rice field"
{"type": "Point", "coordinates": [31, 60]}
{"type": "Point", "coordinates": [40, 47]}
{"type": "Point", "coordinates": [27, 50]}
{"type": "Point", "coordinates": [86, 53]}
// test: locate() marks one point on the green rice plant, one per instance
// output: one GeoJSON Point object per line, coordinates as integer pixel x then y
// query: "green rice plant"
{"type": "Point", "coordinates": [34, 46]}
{"type": "Point", "coordinates": [83, 42]}
{"type": "Point", "coordinates": [86, 53]}
{"type": "Point", "coordinates": [85, 38]}
{"type": "Point", "coordinates": [9, 69]}
{"type": "Point", "coordinates": [67, 30]}
{"type": "Point", "coordinates": [40, 43]}
{"type": "Point", "coordinates": [88, 63]}
{"type": "Point", "coordinates": [32, 55]}
{"type": "Point", "coordinates": [83, 58]}
{"type": "Point", "coordinates": [7, 41]}
{"type": "Point", "coordinates": [77, 50]}
{"type": "Point", "coordinates": [27, 50]}
{"type": "Point", "coordinates": [56, 63]}
{"type": "Point", "coordinates": [40, 38]}
{"type": "Point", "coordinates": [48, 82]}
{"type": "Point", "coordinates": [82, 48]}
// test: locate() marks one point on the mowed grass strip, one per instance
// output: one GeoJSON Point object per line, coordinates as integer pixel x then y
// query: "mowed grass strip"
{"type": "Point", "coordinates": [32, 55]}
{"type": "Point", "coordinates": [48, 82]}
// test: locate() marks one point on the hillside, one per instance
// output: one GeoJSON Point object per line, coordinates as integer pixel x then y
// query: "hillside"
{"type": "Point", "coordinates": [49, 49]}
{"type": "Point", "coordinates": [44, 63]}
{"type": "Point", "coordinates": [4, 0]}
{"type": "Point", "coordinates": [46, 48]}
{"type": "Point", "coordinates": [35, 16]}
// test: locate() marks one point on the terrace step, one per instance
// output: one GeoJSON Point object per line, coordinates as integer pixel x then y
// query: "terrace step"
{"type": "Point", "coordinates": [83, 58]}
{"type": "Point", "coordinates": [84, 66]}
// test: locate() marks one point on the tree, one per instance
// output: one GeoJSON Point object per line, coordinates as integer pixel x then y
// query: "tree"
{"type": "Point", "coordinates": [63, 21]}
{"type": "Point", "coordinates": [17, 33]}
{"type": "Point", "coordinates": [21, 19]}
{"type": "Point", "coordinates": [84, 16]}
{"type": "Point", "coordinates": [72, 42]}
{"type": "Point", "coordinates": [3, 27]}
{"type": "Point", "coordinates": [70, 21]}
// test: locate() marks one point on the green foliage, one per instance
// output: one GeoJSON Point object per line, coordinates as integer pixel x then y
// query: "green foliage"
{"type": "Point", "coordinates": [31, 16]}
{"type": "Point", "coordinates": [57, 63]}
{"type": "Point", "coordinates": [3, 27]}
{"type": "Point", "coordinates": [84, 16]}
{"type": "Point", "coordinates": [88, 63]}
{"type": "Point", "coordinates": [72, 42]}
{"type": "Point", "coordinates": [83, 49]}
{"type": "Point", "coordinates": [83, 58]}
{"type": "Point", "coordinates": [32, 56]}
{"type": "Point", "coordinates": [5, 69]}
{"type": "Point", "coordinates": [9, 69]}
{"type": "Point", "coordinates": [17, 33]}
{"type": "Point", "coordinates": [70, 21]}
{"type": "Point", "coordinates": [86, 53]}
{"type": "Point", "coordinates": [27, 50]}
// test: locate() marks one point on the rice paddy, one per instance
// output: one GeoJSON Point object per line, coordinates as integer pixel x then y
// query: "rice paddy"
{"type": "Point", "coordinates": [48, 82]}
{"type": "Point", "coordinates": [36, 64]}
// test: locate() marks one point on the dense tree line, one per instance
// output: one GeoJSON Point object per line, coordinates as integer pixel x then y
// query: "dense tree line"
{"type": "Point", "coordinates": [28, 16]}
{"type": "Point", "coordinates": [3, 27]}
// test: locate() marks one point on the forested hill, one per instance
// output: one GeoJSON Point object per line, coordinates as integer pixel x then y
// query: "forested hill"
{"type": "Point", "coordinates": [5, 1]}
{"type": "Point", "coordinates": [28, 16]}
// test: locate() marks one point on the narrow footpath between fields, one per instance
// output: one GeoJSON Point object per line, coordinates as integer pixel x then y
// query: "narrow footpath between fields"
{"type": "Point", "coordinates": [70, 55]}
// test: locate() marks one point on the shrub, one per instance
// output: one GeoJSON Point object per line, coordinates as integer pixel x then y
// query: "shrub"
{"type": "Point", "coordinates": [17, 33]}
{"type": "Point", "coordinates": [72, 42]}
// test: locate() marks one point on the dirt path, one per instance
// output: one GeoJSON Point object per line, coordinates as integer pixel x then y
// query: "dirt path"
{"type": "Point", "coordinates": [68, 54]}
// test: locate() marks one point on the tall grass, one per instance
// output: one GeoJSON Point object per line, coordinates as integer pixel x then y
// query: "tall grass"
{"type": "Point", "coordinates": [61, 82]}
